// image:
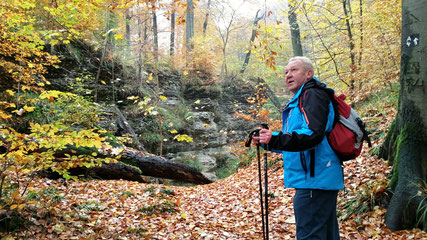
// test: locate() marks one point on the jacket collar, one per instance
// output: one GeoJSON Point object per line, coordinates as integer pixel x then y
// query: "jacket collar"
{"type": "Point", "coordinates": [314, 82]}
{"type": "Point", "coordinates": [309, 84]}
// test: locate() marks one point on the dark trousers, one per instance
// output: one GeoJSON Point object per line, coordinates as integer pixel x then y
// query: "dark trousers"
{"type": "Point", "coordinates": [316, 214]}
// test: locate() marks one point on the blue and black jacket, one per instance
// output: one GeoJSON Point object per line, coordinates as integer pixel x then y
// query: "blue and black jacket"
{"type": "Point", "coordinates": [309, 162]}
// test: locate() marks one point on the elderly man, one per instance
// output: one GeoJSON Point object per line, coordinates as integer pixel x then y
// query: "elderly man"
{"type": "Point", "coordinates": [310, 165]}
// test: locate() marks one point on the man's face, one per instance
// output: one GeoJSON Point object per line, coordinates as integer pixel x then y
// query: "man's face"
{"type": "Point", "coordinates": [296, 75]}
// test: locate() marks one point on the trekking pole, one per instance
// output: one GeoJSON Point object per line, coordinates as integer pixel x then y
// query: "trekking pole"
{"type": "Point", "coordinates": [263, 217]}
{"type": "Point", "coordinates": [266, 185]}
{"type": "Point", "coordinates": [260, 187]}
{"type": "Point", "coordinates": [266, 192]}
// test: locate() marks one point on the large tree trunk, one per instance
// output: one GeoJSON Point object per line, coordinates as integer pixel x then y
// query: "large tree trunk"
{"type": "Point", "coordinates": [409, 133]}
{"type": "Point", "coordinates": [295, 33]}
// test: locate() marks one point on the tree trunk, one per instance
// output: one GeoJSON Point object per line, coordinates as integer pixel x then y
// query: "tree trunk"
{"type": "Point", "coordinates": [172, 39]}
{"type": "Point", "coordinates": [101, 62]}
{"type": "Point", "coordinates": [254, 31]}
{"type": "Point", "coordinates": [347, 15]}
{"type": "Point", "coordinates": [107, 171]}
{"type": "Point", "coordinates": [189, 25]}
{"type": "Point", "coordinates": [205, 23]}
{"type": "Point", "coordinates": [140, 52]}
{"type": "Point", "coordinates": [132, 164]}
{"type": "Point", "coordinates": [271, 94]}
{"type": "Point", "coordinates": [156, 38]}
{"type": "Point", "coordinates": [361, 32]}
{"type": "Point", "coordinates": [128, 19]}
{"type": "Point", "coordinates": [295, 33]}
{"type": "Point", "coordinates": [409, 135]}
{"type": "Point", "coordinates": [123, 124]}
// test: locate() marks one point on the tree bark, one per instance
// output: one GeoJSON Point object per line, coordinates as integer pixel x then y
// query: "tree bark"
{"type": "Point", "coordinates": [295, 33]}
{"type": "Point", "coordinates": [108, 171]}
{"type": "Point", "coordinates": [205, 23]}
{"type": "Point", "coordinates": [254, 31]}
{"type": "Point", "coordinates": [128, 19]}
{"type": "Point", "coordinates": [408, 184]}
{"type": "Point", "coordinates": [189, 25]}
{"type": "Point", "coordinates": [347, 15]}
{"type": "Point", "coordinates": [132, 164]}
{"type": "Point", "coordinates": [172, 37]}
{"type": "Point", "coordinates": [156, 38]}
{"type": "Point", "coordinates": [140, 51]}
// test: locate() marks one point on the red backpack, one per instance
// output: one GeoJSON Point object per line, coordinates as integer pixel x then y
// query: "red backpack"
{"type": "Point", "coordinates": [348, 131]}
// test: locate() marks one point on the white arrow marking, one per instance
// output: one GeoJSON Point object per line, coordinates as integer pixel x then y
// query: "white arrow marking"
{"type": "Point", "coordinates": [416, 41]}
{"type": "Point", "coordinates": [408, 41]}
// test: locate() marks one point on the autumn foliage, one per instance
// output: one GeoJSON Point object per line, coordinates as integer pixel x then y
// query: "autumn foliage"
{"type": "Point", "coordinates": [38, 124]}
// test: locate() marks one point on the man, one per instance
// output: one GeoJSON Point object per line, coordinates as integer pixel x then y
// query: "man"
{"type": "Point", "coordinates": [310, 165]}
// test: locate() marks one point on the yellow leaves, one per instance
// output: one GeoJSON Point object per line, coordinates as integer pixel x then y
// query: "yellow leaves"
{"type": "Point", "coordinates": [163, 98]}
{"type": "Point", "coordinates": [10, 92]}
{"type": "Point", "coordinates": [118, 36]}
{"type": "Point", "coordinates": [8, 105]}
{"type": "Point", "coordinates": [183, 137]}
{"type": "Point", "coordinates": [19, 207]}
{"type": "Point", "coordinates": [53, 42]}
{"type": "Point", "coordinates": [133, 97]}
{"type": "Point", "coordinates": [52, 94]}
{"type": "Point", "coordinates": [103, 82]}
{"type": "Point", "coordinates": [173, 131]}
{"type": "Point", "coordinates": [28, 109]}
{"type": "Point", "coordinates": [197, 101]}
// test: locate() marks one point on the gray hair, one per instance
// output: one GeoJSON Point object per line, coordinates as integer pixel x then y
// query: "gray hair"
{"type": "Point", "coordinates": [306, 62]}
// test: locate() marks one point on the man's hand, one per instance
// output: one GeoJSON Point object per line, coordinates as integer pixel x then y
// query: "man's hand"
{"type": "Point", "coordinates": [263, 138]}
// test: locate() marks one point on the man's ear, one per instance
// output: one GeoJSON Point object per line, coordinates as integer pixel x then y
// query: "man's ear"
{"type": "Point", "coordinates": [310, 74]}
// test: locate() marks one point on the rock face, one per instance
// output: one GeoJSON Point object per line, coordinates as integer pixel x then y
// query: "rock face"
{"type": "Point", "coordinates": [213, 125]}
{"type": "Point", "coordinates": [210, 107]}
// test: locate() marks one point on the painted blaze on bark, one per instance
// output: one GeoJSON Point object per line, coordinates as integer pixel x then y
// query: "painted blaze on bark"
{"type": "Point", "coordinates": [408, 205]}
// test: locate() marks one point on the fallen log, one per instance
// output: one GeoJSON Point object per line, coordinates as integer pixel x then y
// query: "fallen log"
{"type": "Point", "coordinates": [155, 166]}
{"type": "Point", "coordinates": [107, 171]}
{"type": "Point", "coordinates": [132, 165]}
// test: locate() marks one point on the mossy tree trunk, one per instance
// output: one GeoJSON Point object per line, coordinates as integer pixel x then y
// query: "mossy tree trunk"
{"type": "Point", "coordinates": [406, 143]}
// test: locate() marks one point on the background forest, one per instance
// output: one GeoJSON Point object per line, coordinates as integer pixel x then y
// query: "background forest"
{"type": "Point", "coordinates": [124, 89]}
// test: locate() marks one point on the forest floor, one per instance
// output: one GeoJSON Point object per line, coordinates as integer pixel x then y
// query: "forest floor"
{"type": "Point", "coordinates": [226, 209]}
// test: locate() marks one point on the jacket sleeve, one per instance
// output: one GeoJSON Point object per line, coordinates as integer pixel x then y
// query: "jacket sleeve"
{"type": "Point", "coordinates": [314, 106]}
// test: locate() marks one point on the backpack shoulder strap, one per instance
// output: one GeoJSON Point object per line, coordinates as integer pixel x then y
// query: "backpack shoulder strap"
{"type": "Point", "coordinates": [331, 93]}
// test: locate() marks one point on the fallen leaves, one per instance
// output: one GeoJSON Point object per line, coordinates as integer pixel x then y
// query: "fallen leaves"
{"type": "Point", "coordinates": [226, 209]}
